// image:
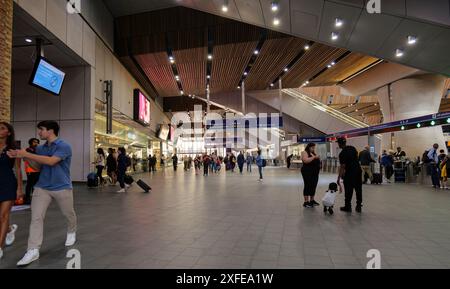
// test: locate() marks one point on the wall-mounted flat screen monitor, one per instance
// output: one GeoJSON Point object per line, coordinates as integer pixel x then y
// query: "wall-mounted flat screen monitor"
{"type": "Point", "coordinates": [141, 108]}
{"type": "Point", "coordinates": [163, 132]}
{"type": "Point", "coordinates": [47, 77]}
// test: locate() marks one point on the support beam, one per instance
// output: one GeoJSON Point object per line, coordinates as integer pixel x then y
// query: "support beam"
{"type": "Point", "coordinates": [6, 24]}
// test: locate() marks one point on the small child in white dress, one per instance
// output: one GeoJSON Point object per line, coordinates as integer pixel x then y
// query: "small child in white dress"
{"type": "Point", "coordinates": [329, 198]}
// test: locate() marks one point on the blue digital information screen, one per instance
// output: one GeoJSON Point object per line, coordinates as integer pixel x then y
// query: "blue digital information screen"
{"type": "Point", "coordinates": [47, 77]}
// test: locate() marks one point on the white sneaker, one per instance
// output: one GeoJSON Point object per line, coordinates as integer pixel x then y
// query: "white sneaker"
{"type": "Point", "coordinates": [127, 186]}
{"type": "Point", "coordinates": [121, 191]}
{"type": "Point", "coordinates": [71, 239]}
{"type": "Point", "coordinates": [31, 256]}
{"type": "Point", "coordinates": [11, 236]}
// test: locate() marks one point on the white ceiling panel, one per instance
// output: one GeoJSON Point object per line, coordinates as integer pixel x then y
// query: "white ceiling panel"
{"type": "Point", "coordinates": [283, 14]}
{"type": "Point", "coordinates": [251, 11]}
{"type": "Point", "coordinates": [425, 33]}
{"type": "Point", "coordinates": [349, 16]}
{"type": "Point", "coordinates": [371, 31]}
{"type": "Point", "coordinates": [306, 16]}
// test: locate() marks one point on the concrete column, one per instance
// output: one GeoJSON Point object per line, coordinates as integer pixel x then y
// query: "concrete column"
{"type": "Point", "coordinates": [243, 97]}
{"type": "Point", "coordinates": [412, 97]}
{"type": "Point", "coordinates": [6, 26]}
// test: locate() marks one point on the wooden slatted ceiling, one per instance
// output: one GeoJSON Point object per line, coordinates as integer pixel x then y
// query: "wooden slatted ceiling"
{"type": "Point", "coordinates": [274, 56]}
{"type": "Point", "coordinates": [229, 63]}
{"type": "Point", "coordinates": [191, 65]}
{"type": "Point", "coordinates": [348, 66]}
{"type": "Point", "coordinates": [158, 70]}
{"type": "Point", "coordinates": [313, 61]}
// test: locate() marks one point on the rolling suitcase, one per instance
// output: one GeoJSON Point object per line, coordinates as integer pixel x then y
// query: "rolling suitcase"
{"type": "Point", "coordinates": [143, 186]}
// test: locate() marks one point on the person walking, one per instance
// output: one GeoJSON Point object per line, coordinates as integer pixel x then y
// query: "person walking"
{"type": "Point", "coordinates": [175, 162]}
{"type": "Point", "coordinates": [111, 166]}
{"type": "Point", "coordinates": [260, 163]}
{"type": "Point", "coordinates": [249, 161]}
{"type": "Point", "coordinates": [232, 162]}
{"type": "Point", "coordinates": [100, 162]}
{"type": "Point", "coordinates": [206, 161]}
{"type": "Point", "coordinates": [387, 161]}
{"type": "Point", "coordinates": [55, 182]}
{"type": "Point", "coordinates": [288, 161]}
{"type": "Point", "coordinates": [241, 161]}
{"type": "Point", "coordinates": [10, 183]}
{"type": "Point", "coordinates": [123, 162]}
{"type": "Point", "coordinates": [32, 169]}
{"type": "Point", "coordinates": [433, 165]}
{"type": "Point", "coordinates": [365, 159]}
{"type": "Point", "coordinates": [310, 173]}
{"type": "Point", "coordinates": [350, 171]}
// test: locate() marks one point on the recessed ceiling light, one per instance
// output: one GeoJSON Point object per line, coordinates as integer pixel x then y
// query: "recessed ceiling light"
{"type": "Point", "coordinates": [208, 76]}
{"type": "Point", "coordinates": [224, 8]}
{"type": "Point", "coordinates": [245, 73]}
{"type": "Point", "coordinates": [256, 52]}
{"type": "Point", "coordinates": [29, 40]}
{"type": "Point", "coordinates": [338, 23]}
{"type": "Point", "coordinates": [307, 82]}
{"type": "Point", "coordinates": [333, 63]}
{"type": "Point", "coordinates": [334, 35]}
{"type": "Point", "coordinates": [177, 77]}
{"type": "Point", "coordinates": [276, 21]}
{"type": "Point", "coordinates": [412, 40]}
{"type": "Point", "coordinates": [181, 92]}
{"type": "Point", "coordinates": [306, 47]}
{"type": "Point", "coordinates": [271, 85]}
{"type": "Point", "coordinates": [399, 53]}
{"type": "Point", "coordinates": [209, 56]}
{"type": "Point", "coordinates": [238, 87]}
{"type": "Point", "coordinates": [286, 69]}
{"type": "Point", "coordinates": [329, 65]}
{"type": "Point", "coordinates": [274, 6]}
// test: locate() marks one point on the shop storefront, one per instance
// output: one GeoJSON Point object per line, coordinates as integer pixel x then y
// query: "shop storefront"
{"type": "Point", "coordinates": [137, 144]}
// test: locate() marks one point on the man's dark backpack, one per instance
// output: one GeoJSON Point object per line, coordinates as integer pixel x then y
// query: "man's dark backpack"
{"type": "Point", "coordinates": [264, 163]}
{"type": "Point", "coordinates": [425, 157]}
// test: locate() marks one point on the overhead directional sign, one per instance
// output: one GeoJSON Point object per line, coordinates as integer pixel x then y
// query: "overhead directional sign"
{"type": "Point", "coordinates": [312, 139]}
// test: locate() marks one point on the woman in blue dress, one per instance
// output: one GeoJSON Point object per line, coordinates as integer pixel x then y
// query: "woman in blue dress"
{"type": "Point", "coordinates": [10, 181]}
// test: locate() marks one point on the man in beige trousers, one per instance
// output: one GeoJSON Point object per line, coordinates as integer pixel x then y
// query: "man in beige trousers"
{"type": "Point", "coordinates": [54, 183]}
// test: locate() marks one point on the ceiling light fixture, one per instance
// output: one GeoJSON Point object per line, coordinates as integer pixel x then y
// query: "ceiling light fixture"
{"type": "Point", "coordinates": [225, 7]}
{"type": "Point", "coordinates": [245, 73]}
{"type": "Point", "coordinates": [412, 40]}
{"type": "Point", "coordinates": [256, 52]}
{"type": "Point", "coordinates": [171, 59]}
{"type": "Point", "coordinates": [238, 87]}
{"type": "Point", "coordinates": [271, 85]}
{"type": "Point", "coordinates": [306, 47]}
{"type": "Point", "coordinates": [208, 76]}
{"type": "Point", "coordinates": [399, 53]}
{"type": "Point", "coordinates": [334, 35]}
{"type": "Point", "coordinates": [274, 6]}
{"type": "Point", "coordinates": [276, 21]}
{"type": "Point", "coordinates": [338, 23]}
{"type": "Point", "coordinates": [333, 63]}
{"type": "Point", "coordinates": [329, 65]}
{"type": "Point", "coordinates": [177, 77]}
{"type": "Point", "coordinates": [209, 56]}
{"type": "Point", "coordinates": [182, 92]}
{"type": "Point", "coordinates": [286, 69]}
{"type": "Point", "coordinates": [28, 40]}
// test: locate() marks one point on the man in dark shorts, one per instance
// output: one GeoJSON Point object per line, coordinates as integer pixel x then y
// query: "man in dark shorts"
{"type": "Point", "coordinates": [350, 171]}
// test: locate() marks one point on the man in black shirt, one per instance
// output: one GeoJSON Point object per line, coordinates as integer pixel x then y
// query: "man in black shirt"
{"type": "Point", "coordinates": [399, 154]}
{"type": "Point", "coordinates": [350, 171]}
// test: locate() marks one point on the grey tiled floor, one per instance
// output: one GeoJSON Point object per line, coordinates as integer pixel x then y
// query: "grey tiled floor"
{"type": "Point", "coordinates": [234, 221]}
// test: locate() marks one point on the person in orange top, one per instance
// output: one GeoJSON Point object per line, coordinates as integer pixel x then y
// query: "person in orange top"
{"type": "Point", "coordinates": [32, 170]}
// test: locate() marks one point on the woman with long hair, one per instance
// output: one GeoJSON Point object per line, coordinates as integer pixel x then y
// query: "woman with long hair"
{"type": "Point", "coordinates": [10, 183]}
{"type": "Point", "coordinates": [100, 160]}
{"type": "Point", "coordinates": [310, 172]}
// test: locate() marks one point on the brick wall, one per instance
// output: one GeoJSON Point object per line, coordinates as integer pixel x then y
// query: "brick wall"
{"type": "Point", "coordinates": [6, 22]}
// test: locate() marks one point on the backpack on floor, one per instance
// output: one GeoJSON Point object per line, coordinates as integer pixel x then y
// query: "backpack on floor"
{"type": "Point", "coordinates": [92, 180]}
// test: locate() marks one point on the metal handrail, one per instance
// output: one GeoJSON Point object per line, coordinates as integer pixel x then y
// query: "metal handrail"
{"type": "Point", "coordinates": [325, 108]}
